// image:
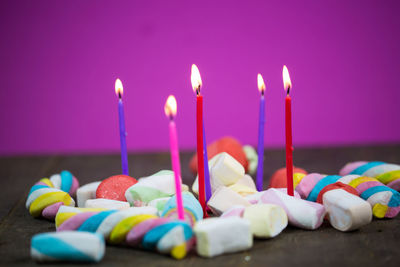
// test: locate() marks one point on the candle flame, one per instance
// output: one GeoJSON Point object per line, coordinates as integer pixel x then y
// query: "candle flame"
{"type": "Point", "coordinates": [287, 84]}
{"type": "Point", "coordinates": [170, 107]}
{"type": "Point", "coordinates": [260, 83]}
{"type": "Point", "coordinates": [119, 89]}
{"type": "Point", "coordinates": [196, 79]}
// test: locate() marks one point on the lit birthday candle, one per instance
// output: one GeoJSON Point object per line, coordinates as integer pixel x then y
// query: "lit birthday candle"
{"type": "Point", "coordinates": [170, 109]}
{"type": "Point", "coordinates": [261, 122]}
{"type": "Point", "coordinates": [196, 85]}
{"type": "Point", "coordinates": [287, 85]}
{"type": "Point", "coordinates": [119, 90]}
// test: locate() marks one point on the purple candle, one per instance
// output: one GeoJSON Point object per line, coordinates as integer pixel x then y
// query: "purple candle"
{"type": "Point", "coordinates": [206, 170]}
{"type": "Point", "coordinates": [261, 122]}
{"type": "Point", "coordinates": [119, 90]}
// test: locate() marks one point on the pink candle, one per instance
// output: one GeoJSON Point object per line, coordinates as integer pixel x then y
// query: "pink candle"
{"type": "Point", "coordinates": [170, 110]}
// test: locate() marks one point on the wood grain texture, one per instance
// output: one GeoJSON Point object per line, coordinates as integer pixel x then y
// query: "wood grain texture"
{"type": "Point", "coordinates": [376, 244]}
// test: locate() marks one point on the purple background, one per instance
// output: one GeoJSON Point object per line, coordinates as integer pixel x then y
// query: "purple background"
{"type": "Point", "coordinates": [59, 61]}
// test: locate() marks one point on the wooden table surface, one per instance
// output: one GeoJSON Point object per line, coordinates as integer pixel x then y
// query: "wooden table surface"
{"type": "Point", "coordinates": [377, 244]}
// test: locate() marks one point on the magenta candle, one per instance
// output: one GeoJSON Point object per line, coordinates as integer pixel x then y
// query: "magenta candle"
{"type": "Point", "coordinates": [122, 131]}
{"type": "Point", "coordinates": [261, 122]}
{"type": "Point", "coordinates": [170, 110]}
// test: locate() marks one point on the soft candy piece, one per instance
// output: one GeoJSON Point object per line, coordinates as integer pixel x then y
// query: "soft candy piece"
{"type": "Point", "coordinates": [388, 174]}
{"type": "Point", "coordinates": [255, 198]}
{"type": "Point", "coordinates": [244, 186]}
{"type": "Point", "coordinates": [158, 185]}
{"type": "Point", "coordinates": [301, 213]}
{"type": "Point", "coordinates": [65, 181]}
{"type": "Point", "coordinates": [69, 246]}
{"type": "Point", "coordinates": [246, 180]}
{"type": "Point", "coordinates": [234, 211]}
{"type": "Point", "coordinates": [216, 236]}
{"type": "Point", "coordinates": [225, 198]}
{"type": "Point", "coordinates": [346, 212]}
{"type": "Point", "coordinates": [45, 198]}
{"type": "Point", "coordinates": [334, 186]}
{"type": "Point", "coordinates": [114, 187]}
{"type": "Point", "coordinates": [174, 237]}
{"type": "Point", "coordinates": [252, 159]}
{"type": "Point", "coordinates": [225, 144]}
{"type": "Point", "coordinates": [72, 219]}
{"type": "Point", "coordinates": [224, 171]}
{"type": "Point", "coordinates": [215, 183]}
{"type": "Point", "coordinates": [266, 220]}
{"type": "Point", "coordinates": [242, 189]}
{"type": "Point", "coordinates": [159, 203]}
{"type": "Point", "coordinates": [85, 192]}
{"type": "Point", "coordinates": [138, 226]}
{"type": "Point", "coordinates": [307, 184]}
{"type": "Point", "coordinates": [192, 208]}
{"type": "Point", "coordinates": [385, 201]}
{"type": "Point", "coordinates": [278, 178]}
{"type": "Point", "coordinates": [227, 170]}
{"type": "Point", "coordinates": [106, 204]}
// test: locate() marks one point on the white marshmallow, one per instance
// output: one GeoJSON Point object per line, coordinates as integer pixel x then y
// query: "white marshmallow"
{"type": "Point", "coordinates": [215, 184]}
{"type": "Point", "coordinates": [217, 236]}
{"type": "Point", "coordinates": [346, 212]}
{"type": "Point", "coordinates": [255, 198]}
{"type": "Point", "coordinates": [301, 213]}
{"type": "Point", "coordinates": [227, 169]}
{"type": "Point", "coordinates": [246, 180]}
{"type": "Point", "coordinates": [85, 192]}
{"type": "Point", "coordinates": [266, 220]}
{"type": "Point", "coordinates": [225, 198]}
{"type": "Point", "coordinates": [106, 204]}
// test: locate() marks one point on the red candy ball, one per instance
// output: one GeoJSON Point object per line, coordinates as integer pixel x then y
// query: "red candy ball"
{"type": "Point", "coordinates": [114, 187]}
{"type": "Point", "coordinates": [278, 179]}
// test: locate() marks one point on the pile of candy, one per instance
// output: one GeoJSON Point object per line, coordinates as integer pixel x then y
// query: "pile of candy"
{"type": "Point", "coordinates": [142, 213]}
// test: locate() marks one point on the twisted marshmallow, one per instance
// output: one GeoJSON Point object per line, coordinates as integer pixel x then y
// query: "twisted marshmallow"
{"type": "Point", "coordinates": [67, 246]}
{"type": "Point", "coordinates": [137, 226]}
{"type": "Point", "coordinates": [385, 202]}
{"type": "Point", "coordinates": [47, 195]}
{"type": "Point", "coordinates": [388, 174]}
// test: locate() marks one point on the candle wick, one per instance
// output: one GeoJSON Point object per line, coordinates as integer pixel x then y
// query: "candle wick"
{"type": "Point", "coordinates": [119, 95]}
{"type": "Point", "coordinates": [288, 90]}
{"type": "Point", "coordinates": [198, 90]}
{"type": "Point", "coordinates": [171, 117]}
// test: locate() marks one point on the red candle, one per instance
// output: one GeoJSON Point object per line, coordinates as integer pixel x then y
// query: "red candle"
{"type": "Point", "coordinates": [287, 85]}
{"type": "Point", "coordinates": [196, 84]}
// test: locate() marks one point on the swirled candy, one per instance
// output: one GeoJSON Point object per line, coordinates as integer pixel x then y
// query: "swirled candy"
{"type": "Point", "coordinates": [138, 226]}
{"type": "Point", "coordinates": [47, 195]}
{"type": "Point", "coordinates": [385, 201]}
{"type": "Point", "coordinates": [67, 246]}
{"type": "Point", "coordinates": [192, 208]}
{"type": "Point", "coordinates": [386, 173]}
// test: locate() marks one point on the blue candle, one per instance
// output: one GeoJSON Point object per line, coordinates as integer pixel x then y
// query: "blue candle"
{"type": "Point", "coordinates": [261, 122]}
{"type": "Point", "coordinates": [206, 170]}
{"type": "Point", "coordinates": [122, 132]}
